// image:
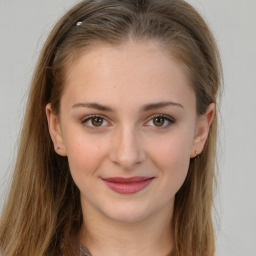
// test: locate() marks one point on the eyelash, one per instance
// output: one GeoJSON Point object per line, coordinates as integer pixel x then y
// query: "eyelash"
{"type": "Point", "coordinates": [166, 118]}
{"type": "Point", "coordinates": [91, 117]}
{"type": "Point", "coordinates": [169, 119]}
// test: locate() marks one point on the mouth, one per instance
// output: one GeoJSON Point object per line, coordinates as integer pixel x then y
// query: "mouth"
{"type": "Point", "coordinates": [127, 185]}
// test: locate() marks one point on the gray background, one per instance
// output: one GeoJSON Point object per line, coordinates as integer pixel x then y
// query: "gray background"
{"type": "Point", "coordinates": [24, 26]}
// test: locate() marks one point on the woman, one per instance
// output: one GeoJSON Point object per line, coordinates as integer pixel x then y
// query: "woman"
{"type": "Point", "coordinates": [123, 161]}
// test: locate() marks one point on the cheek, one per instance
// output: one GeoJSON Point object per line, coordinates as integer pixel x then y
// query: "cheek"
{"type": "Point", "coordinates": [85, 154]}
{"type": "Point", "coordinates": [172, 158]}
{"type": "Point", "coordinates": [172, 150]}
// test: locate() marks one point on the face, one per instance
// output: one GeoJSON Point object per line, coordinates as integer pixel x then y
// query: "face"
{"type": "Point", "coordinates": [128, 126]}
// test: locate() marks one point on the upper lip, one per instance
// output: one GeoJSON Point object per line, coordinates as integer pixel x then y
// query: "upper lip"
{"type": "Point", "coordinates": [127, 180]}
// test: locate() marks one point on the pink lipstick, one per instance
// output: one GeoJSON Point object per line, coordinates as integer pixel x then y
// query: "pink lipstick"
{"type": "Point", "coordinates": [127, 185]}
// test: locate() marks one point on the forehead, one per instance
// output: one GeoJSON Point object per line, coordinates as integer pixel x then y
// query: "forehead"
{"type": "Point", "coordinates": [122, 73]}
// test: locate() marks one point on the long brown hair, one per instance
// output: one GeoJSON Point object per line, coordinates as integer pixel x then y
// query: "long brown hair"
{"type": "Point", "coordinates": [42, 215]}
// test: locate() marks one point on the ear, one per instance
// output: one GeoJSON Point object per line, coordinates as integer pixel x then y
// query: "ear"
{"type": "Point", "coordinates": [55, 131]}
{"type": "Point", "coordinates": [202, 130]}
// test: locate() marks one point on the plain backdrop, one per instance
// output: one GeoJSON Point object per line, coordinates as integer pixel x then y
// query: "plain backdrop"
{"type": "Point", "coordinates": [24, 26]}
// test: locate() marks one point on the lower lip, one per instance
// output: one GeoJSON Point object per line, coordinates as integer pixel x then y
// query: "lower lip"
{"type": "Point", "coordinates": [128, 188]}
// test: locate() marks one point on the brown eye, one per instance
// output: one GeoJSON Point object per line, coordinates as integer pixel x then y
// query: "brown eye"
{"type": "Point", "coordinates": [161, 121]}
{"type": "Point", "coordinates": [94, 122]}
{"type": "Point", "coordinates": [97, 121]}
{"type": "Point", "coordinates": [158, 121]}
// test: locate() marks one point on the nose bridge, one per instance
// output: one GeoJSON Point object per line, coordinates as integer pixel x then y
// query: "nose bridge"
{"type": "Point", "coordinates": [127, 147]}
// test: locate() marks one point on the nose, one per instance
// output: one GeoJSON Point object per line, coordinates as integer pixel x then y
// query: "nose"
{"type": "Point", "coordinates": [127, 150]}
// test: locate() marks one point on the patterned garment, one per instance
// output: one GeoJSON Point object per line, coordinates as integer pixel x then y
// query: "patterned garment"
{"type": "Point", "coordinates": [83, 251]}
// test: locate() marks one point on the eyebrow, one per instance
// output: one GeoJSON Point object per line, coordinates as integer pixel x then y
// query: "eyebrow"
{"type": "Point", "coordinates": [144, 108]}
{"type": "Point", "coordinates": [160, 105]}
{"type": "Point", "coordinates": [92, 105]}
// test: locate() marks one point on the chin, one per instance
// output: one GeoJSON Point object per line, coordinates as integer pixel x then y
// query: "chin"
{"type": "Point", "coordinates": [126, 214]}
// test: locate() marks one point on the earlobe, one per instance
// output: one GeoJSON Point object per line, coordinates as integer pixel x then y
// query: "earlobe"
{"type": "Point", "coordinates": [202, 130]}
{"type": "Point", "coordinates": [55, 131]}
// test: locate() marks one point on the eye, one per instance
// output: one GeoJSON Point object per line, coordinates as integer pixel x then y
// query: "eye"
{"type": "Point", "coordinates": [161, 121]}
{"type": "Point", "coordinates": [94, 121]}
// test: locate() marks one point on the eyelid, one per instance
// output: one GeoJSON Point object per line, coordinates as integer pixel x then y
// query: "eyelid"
{"type": "Point", "coordinates": [87, 118]}
{"type": "Point", "coordinates": [170, 119]}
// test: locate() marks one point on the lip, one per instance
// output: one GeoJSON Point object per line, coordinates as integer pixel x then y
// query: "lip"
{"type": "Point", "coordinates": [129, 185]}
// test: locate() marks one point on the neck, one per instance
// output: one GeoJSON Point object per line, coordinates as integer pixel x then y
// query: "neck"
{"type": "Point", "coordinates": [104, 236]}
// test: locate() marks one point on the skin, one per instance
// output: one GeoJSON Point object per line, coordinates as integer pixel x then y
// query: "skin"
{"type": "Point", "coordinates": [128, 142]}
